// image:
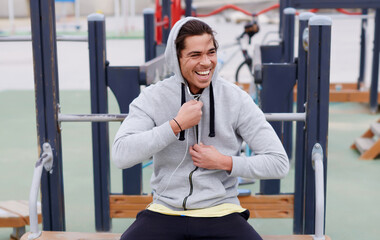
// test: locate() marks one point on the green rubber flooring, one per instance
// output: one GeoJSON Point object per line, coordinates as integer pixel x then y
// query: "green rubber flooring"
{"type": "Point", "coordinates": [353, 186]}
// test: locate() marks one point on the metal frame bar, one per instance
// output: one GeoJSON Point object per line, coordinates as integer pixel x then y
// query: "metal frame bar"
{"type": "Point", "coordinates": [317, 163]}
{"type": "Point", "coordinates": [363, 4]}
{"type": "Point", "coordinates": [166, 11]}
{"type": "Point", "coordinates": [308, 4]}
{"type": "Point", "coordinates": [299, 175]}
{"type": "Point", "coordinates": [375, 64]}
{"type": "Point", "coordinates": [100, 136]}
{"type": "Point", "coordinates": [318, 85]}
{"type": "Point", "coordinates": [282, 117]}
{"type": "Point", "coordinates": [42, 14]}
{"type": "Point", "coordinates": [149, 36]}
{"type": "Point", "coordinates": [62, 38]}
{"type": "Point", "coordinates": [363, 44]}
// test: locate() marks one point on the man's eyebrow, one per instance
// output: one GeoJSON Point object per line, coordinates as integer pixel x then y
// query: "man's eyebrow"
{"type": "Point", "coordinates": [193, 52]}
{"type": "Point", "coordinates": [197, 52]}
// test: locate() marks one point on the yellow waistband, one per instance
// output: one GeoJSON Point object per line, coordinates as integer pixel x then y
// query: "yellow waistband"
{"type": "Point", "coordinates": [216, 211]}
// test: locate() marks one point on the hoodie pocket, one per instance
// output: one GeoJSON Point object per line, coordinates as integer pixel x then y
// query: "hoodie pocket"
{"type": "Point", "coordinates": [206, 189]}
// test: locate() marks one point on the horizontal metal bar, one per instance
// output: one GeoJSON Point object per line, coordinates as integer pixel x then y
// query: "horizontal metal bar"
{"type": "Point", "coordinates": [29, 38]}
{"type": "Point", "coordinates": [271, 117]}
{"type": "Point", "coordinates": [121, 117]}
{"type": "Point", "coordinates": [91, 117]}
{"type": "Point", "coordinates": [307, 4]}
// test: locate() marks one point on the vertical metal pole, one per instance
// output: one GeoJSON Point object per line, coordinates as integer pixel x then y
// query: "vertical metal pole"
{"type": "Point", "coordinates": [166, 11]}
{"type": "Point", "coordinates": [42, 13]}
{"type": "Point", "coordinates": [288, 36]}
{"type": "Point", "coordinates": [100, 137]}
{"type": "Point", "coordinates": [283, 4]}
{"type": "Point", "coordinates": [189, 8]}
{"type": "Point", "coordinates": [288, 57]}
{"type": "Point", "coordinates": [150, 45]}
{"type": "Point", "coordinates": [317, 107]}
{"type": "Point", "coordinates": [362, 50]}
{"type": "Point", "coordinates": [375, 64]}
{"type": "Point", "coordinates": [300, 131]}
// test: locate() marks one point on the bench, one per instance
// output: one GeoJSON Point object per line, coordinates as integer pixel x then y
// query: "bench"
{"type": "Point", "coordinates": [260, 206]}
{"type": "Point", "coordinates": [115, 236]}
{"type": "Point", "coordinates": [15, 214]}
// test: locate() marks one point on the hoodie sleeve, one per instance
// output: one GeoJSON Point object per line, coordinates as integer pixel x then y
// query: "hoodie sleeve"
{"type": "Point", "coordinates": [270, 160]}
{"type": "Point", "coordinates": [138, 138]}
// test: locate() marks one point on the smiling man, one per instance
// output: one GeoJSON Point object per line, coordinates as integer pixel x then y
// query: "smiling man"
{"type": "Point", "coordinates": [193, 124]}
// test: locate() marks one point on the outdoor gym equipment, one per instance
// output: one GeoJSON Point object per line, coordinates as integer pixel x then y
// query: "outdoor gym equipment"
{"type": "Point", "coordinates": [364, 5]}
{"type": "Point", "coordinates": [127, 81]}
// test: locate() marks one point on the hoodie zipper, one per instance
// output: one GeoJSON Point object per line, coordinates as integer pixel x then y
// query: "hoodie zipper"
{"type": "Point", "coordinates": [191, 188]}
{"type": "Point", "coordinates": [197, 97]}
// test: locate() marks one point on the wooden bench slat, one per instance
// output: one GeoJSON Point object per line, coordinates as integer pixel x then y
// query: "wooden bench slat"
{"type": "Point", "coordinates": [16, 213]}
{"type": "Point", "coordinates": [9, 219]}
{"type": "Point", "coordinates": [74, 236]}
{"type": "Point", "coordinates": [16, 207]}
{"type": "Point", "coordinates": [254, 213]}
{"type": "Point", "coordinates": [260, 206]}
{"type": "Point", "coordinates": [290, 237]}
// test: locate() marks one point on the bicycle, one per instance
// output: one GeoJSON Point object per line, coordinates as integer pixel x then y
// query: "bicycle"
{"type": "Point", "coordinates": [244, 72]}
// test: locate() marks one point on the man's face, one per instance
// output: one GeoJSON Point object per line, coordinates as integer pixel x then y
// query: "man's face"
{"type": "Point", "coordinates": [198, 61]}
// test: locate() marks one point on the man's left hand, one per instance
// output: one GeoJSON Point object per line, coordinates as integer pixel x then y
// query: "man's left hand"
{"type": "Point", "coordinates": [206, 156]}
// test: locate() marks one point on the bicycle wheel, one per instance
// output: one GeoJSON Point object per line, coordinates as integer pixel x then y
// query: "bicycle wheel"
{"type": "Point", "coordinates": [243, 74]}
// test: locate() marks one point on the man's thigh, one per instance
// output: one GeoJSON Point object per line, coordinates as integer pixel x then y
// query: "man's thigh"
{"type": "Point", "coordinates": [232, 226]}
{"type": "Point", "coordinates": [156, 226]}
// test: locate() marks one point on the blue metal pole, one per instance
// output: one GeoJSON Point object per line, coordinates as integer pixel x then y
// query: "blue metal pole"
{"type": "Point", "coordinates": [288, 35]}
{"type": "Point", "coordinates": [166, 11]}
{"type": "Point", "coordinates": [300, 131]}
{"type": "Point", "coordinates": [317, 107]}
{"type": "Point", "coordinates": [288, 57]}
{"type": "Point", "coordinates": [189, 8]}
{"type": "Point", "coordinates": [273, 94]}
{"type": "Point", "coordinates": [375, 64]}
{"type": "Point", "coordinates": [42, 14]}
{"type": "Point", "coordinates": [100, 136]}
{"type": "Point", "coordinates": [283, 4]}
{"type": "Point", "coordinates": [362, 49]}
{"type": "Point", "coordinates": [150, 44]}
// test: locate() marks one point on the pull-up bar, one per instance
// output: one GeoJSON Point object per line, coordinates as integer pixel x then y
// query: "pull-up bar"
{"type": "Point", "coordinates": [120, 117]}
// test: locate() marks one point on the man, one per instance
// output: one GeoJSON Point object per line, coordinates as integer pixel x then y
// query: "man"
{"type": "Point", "coordinates": [193, 125]}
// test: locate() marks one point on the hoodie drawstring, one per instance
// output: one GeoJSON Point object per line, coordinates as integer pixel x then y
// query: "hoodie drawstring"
{"type": "Point", "coordinates": [212, 112]}
{"type": "Point", "coordinates": [183, 100]}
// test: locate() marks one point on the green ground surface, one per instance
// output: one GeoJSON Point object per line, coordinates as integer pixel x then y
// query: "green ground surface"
{"type": "Point", "coordinates": [353, 188]}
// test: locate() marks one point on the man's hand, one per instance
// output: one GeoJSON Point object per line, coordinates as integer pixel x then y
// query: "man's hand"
{"type": "Point", "coordinates": [188, 116]}
{"type": "Point", "coordinates": [206, 156]}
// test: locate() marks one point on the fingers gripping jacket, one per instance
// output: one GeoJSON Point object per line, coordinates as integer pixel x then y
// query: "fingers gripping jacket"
{"type": "Point", "coordinates": [212, 111]}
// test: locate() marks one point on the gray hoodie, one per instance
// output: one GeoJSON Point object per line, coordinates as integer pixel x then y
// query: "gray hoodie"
{"type": "Point", "coordinates": [146, 132]}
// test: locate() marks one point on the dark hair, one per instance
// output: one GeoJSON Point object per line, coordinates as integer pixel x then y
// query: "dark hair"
{"type": "Point", "coordinates": [192, 28]}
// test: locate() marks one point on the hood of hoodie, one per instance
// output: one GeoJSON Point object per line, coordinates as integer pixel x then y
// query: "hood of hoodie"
{"type": "Point", "coordinates": [171, 52]}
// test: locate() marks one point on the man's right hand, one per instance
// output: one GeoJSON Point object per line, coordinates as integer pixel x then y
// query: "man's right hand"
{"type": "Point", "coordinates": [189, 114]}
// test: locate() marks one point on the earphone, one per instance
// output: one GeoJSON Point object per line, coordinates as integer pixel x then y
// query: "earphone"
{"type": "Point", "coordinates": [196, 97]}
{"type": "Point", "coordinates": [175, 170]}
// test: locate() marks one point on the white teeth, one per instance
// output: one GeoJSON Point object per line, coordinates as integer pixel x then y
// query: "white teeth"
{"type": "Point", "coordinates": [204, 73]}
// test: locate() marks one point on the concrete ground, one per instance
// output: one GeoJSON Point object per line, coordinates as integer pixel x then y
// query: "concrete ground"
{"type": "Point", "coordinates": [352, 188]}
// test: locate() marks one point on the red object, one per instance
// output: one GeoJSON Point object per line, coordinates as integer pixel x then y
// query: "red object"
{"type": "Point", "coordinates": [158, 19]}
{"type": "Point", "coordinates": [341, 10]}
{"type": "Point", "coordinates": [230, 6]}
{"type": "Point", "coordinates": [224, 8]}
{"type": "Point", "coordinates": [176, 11]}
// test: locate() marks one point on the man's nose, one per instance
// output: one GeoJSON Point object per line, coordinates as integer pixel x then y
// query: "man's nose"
{"type": "Point", "coordinates": [205, 60]}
